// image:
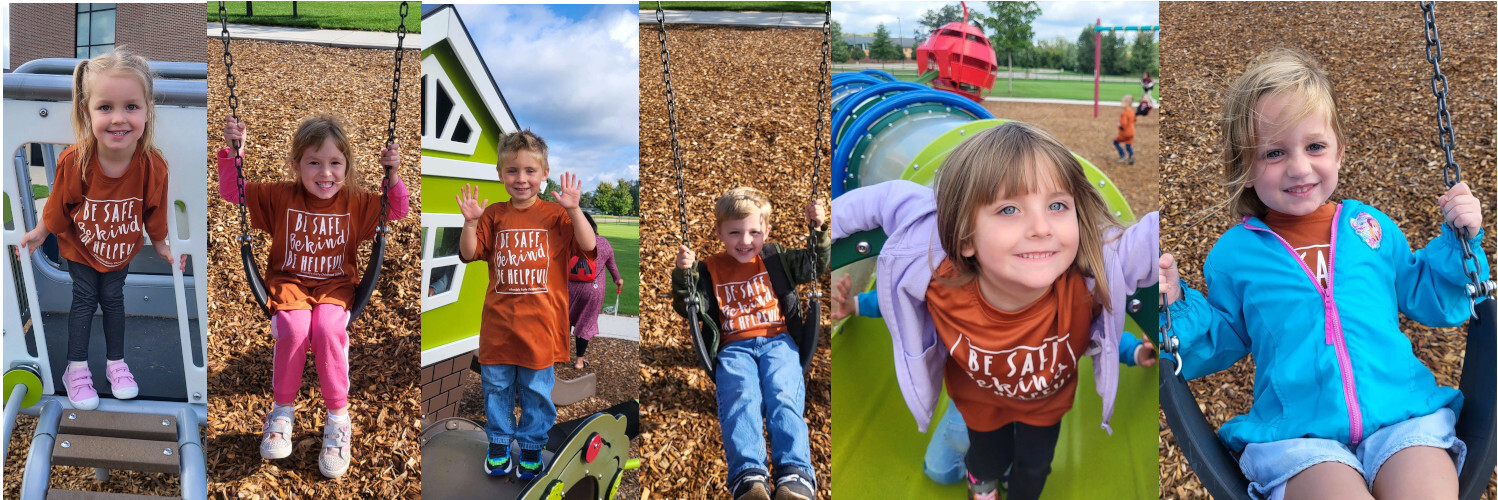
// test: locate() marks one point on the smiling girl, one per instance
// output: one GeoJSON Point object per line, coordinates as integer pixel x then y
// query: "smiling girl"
{"type": "Point", "coordinates": [316, 223]}
{"type": "Point", "coordinates": [108, 185]}
{"type": "Point", "coordinates": [1015, 266]}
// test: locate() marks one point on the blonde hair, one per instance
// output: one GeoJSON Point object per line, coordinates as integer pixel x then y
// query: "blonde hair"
{"type": "Point", "coordinates": [1006, 160]}
{"type": "Point", "coordinates": [311, 133]}
{"type": "Point", "coordinates": [524, 140]}
{"type": "Point", "coordinates": [742, 203]}
{"type": "Point", "coordinates": [1278, 72]}
{"type": "Point", "coordinates": [85, 75]}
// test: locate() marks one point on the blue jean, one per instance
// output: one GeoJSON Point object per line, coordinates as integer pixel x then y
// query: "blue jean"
{"type": "Point", "coordinates": [537, 413]}
{"type": "Point", "coordinates": [944, 455]}
{"type": "Point", "coordinates": [759, 382]}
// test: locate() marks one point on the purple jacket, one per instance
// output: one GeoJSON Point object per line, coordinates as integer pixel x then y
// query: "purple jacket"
{"type": "Point", "coordinates": [907, 212]}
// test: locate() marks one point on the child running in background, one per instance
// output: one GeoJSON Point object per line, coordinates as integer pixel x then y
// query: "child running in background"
{"type": "Point", "coordinates": [109, 184]}
{"type": "Point", "coordinates": [1125, 139]}
{"type": "Point", "coordinates": [759, 376]}
{"type": "Point", "coordinates": [1032, 259]}
{"type": "Point", "coordinates": [316, 223]}
{"type": "Point", "coordinates": [526, 242]}
{"type": "Point", "coordinates": [1342, 406]}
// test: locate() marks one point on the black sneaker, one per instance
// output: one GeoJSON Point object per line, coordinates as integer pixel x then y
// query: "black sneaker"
{"type": "Point", "coordinates": [498, 463]}
{"type": "Point", "coordinates": [982, 490]}
{"type": "Point", "coordinates": [750, 485]}
{"type": "Point", "coordinates": [792, 483]}
{"type": "Point", "coordinates": [530, 465]}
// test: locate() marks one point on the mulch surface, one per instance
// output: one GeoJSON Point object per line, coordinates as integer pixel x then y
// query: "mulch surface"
{"type": "Point", "coordinates": [617, 363]}
{"type": "Point", "coordinates": [1375, 55]}
{"type": "Point", "coordinates": [746, 107]}
{"type": "Point", "coordinates": [278, 85]}
{"type": "Point", "coordinates": [1092, 138]}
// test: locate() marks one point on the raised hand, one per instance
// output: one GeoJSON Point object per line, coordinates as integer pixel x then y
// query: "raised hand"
{"type": "Point", "coordinates": [391, 156]}
{"type": "Point", "coordinates": [1170, 279]}
{"type": "Point", "coordinates": [570, 193]}
{"type": "Point", "coordinates": [685, 257]}
{"type": "Point", "coordinates": [468, 203]}
{"type": "Point", "coordinates": [234, 130]}
{"type": "Point", "coordinates": [1461, 209]}
{"type": "Point", "coordinates": [816, 214]}
{"type": "Point", "coordinates": [844, 304]}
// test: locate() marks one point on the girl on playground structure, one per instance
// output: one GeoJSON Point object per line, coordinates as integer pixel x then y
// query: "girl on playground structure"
{"type": "Point", "coordinates": [1342, 407]}
{"type": "Point", "coordinates": [316, 223]}
{"type": "Point", "coordinates": [1032, 261]}
{"type": "Point", "coordinates": [109, 185]}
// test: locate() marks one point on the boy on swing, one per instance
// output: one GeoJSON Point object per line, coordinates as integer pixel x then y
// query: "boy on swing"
{"type": "Point", "coordinates": [758, 367]}
{"type": "Point", "coordinates": [524, 329]}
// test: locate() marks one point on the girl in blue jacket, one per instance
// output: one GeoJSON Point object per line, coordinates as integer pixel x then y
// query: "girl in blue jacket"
{"type": "Point", "coordinates": [1313, 290]}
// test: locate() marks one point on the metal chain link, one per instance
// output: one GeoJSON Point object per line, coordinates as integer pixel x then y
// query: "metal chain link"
{"type": "Point", "coordinates": [395, 92]}
{"type": "Point", "coordinates": [681, 190]}
{"type": "Point", "coordinates": [229, 80]}
{"type": "Point", "coordinates": [822, 84]}
{"type": "Point", "coordinates": [1451, 173]}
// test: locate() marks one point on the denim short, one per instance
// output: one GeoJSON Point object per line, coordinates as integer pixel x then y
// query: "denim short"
{"type": "Point", "coordinates": [1269, 466]}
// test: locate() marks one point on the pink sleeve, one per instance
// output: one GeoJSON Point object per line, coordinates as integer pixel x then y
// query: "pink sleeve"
{"type": "Point", "coordinates": [400, 200]}
{"type": "Point", "coordinates": [227, 177]}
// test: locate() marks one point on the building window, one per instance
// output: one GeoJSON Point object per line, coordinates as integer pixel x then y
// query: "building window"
{"type": "Point", "coordinates": [446, 122]}
{"type": "Point", "coordinates": [441, 269]}
{"type": "Point", "coordinates": [95, 29]}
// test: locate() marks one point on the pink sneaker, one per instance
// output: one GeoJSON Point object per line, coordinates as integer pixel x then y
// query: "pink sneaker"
{"type": "Point", "coordinates": [121, 382]}
{"type": "Point", "coordinates": [80, 384]}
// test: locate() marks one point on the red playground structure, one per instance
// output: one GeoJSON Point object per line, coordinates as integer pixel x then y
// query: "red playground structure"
{"type": "Point", "coordinates": [961, 58]}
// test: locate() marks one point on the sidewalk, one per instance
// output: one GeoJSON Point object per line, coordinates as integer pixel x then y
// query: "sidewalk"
{"type": "Point", "coordinates": [619, 327]}
{"type": "Point", "coordinates": [759, 19]}
{"type": "Point", "coordinates": [332, 38]}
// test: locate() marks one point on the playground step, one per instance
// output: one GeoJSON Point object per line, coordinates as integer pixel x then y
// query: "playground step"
{"type": "Point", "coordinates": [94, 495]}
{"type": "Point", "coordinates": [115, 453]}
{"type": "Point", "coordinates": [118, 425]}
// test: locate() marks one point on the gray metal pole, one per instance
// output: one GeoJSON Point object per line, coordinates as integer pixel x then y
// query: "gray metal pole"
{"type": "Point", "coordinates": [12, 408]}
{"type": "Point", "coordinates": [194, 471]}
{"type": "Point", "coordinates": [39, 463]}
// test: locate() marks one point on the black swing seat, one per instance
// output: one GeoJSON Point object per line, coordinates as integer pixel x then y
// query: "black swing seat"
{"type": "Point", "coordinates": [1219, 471]}
{"type": "Point", "coordinates": [805, 329]}
{"type": "Point", "coordinates": [361, 294]}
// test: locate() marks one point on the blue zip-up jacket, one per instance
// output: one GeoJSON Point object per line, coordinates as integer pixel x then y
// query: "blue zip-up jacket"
{"type": "Point", "coordinates": [1329, 363]}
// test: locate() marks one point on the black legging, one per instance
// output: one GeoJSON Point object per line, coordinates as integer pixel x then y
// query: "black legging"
{"type": "Point", "coordinates": [1028, 448]}
{"type": "Point", "coordinates": [91, 291]}
{"type": "Point", "coordinates": [582, 346]}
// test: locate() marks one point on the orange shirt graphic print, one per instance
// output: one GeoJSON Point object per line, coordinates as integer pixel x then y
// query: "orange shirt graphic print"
{"type": "Point", "coordinates": [521, 261]}
{"type": "Point", "coordinates": [109, 229]}
{"type": "Point", "coordinates": [315, 244]}
{"type": "Point", "coordinates": [748, 304]}
{"type": "Point", "coordinates": [1021, 372]}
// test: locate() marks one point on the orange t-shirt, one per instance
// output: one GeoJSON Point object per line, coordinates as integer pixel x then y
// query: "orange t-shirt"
{"type": "Point", "coordinates": [98, 218]}
{"type": "Point", "coordinates": [1020, 366]}
{"type": "Point", "coordinates": [746, 301]}
{"type": "Point", "coordinates": [1310, 235]}
{"type": "Point", "coordinates": [1126, 126]}
{"type": "Point", "coordinates": [314, 250]}
{"type": "Point", "coordinates": [524, 321]}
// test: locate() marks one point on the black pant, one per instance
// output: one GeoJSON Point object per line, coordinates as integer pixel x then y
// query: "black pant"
{"type": "Point", "coordinates": [1029, 449]}
{"type": "Point", "coordinates": [91, 291]}
{"type": "Point", "coordinates": [582, 346]}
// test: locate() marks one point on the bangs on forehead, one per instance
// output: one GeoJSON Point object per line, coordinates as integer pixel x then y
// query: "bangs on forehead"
{"type": "Point", "coordinates": [1033, 171]}
{"type": "Point", "coordinates": [1303, 102]}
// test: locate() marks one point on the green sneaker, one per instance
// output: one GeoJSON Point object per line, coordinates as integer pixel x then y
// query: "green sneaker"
{"type": "Point", "coordinates": [498, 463]}
{"type": "Point", "coordinates": [530, 465]}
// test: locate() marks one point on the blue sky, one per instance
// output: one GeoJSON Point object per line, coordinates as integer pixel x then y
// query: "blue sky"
{"type": "Point", "coordinates": [1064, 19]}
{"type": "Point", "coordinates": [570, 73]}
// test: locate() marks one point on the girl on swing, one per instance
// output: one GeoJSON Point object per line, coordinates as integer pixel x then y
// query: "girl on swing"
{"type": "Point", "coordinates": [1014, 254]}
{"type": "Point", "coordinates": [316, 222]}
{"type": "Point", "coordinates": [1342, 407]}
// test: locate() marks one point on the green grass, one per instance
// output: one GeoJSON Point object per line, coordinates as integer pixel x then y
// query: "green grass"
{"type": "Point", "coordinates": [812, 7]}
{"type": "Point", "coordinates": [625, 238]}
{"type": "Point", "coordinates": [363, 16]}
{"type": "Point", "coordinates": [1055, 89]}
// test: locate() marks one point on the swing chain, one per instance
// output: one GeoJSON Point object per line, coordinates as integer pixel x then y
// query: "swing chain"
{"type": "Point", "coordinates": [681, 192]}
{"type": "Point", "coordinates": [395, 91]}
{"type": "Point", "coordinates": [1169, 344]}
{"type": "Point", "coordinates": [229, 81]}
{"type": "Point", "coordinates": [816, 166]}
{"type": "Point", "coordinates": [1450, 172]}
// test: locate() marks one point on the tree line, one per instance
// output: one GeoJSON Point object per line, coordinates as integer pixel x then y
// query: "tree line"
{"type": "Point", "coordinates": [621, 197]}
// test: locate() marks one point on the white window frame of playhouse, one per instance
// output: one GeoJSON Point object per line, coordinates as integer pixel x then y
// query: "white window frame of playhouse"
{"type": "Point", "coordinates": [432, 69]}
{"type": "Point", "coordinates": [430, 222]}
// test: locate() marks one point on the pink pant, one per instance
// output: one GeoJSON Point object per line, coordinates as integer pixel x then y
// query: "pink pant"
{"type": "Point", "coordinates": [325, 329]}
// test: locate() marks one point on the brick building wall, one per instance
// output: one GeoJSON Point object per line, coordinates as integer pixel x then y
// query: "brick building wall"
{"type": "Point", "coordinates": [158, 32]}
{"type": "Point", "coordinates": [442, 386]}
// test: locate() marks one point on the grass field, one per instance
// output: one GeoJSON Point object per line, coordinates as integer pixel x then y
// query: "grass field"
{"type": "Point", "coordinates": [625, 239]}
{"type": "Point", "coordinates": [364, 16]}
{"type": "Point", "coordinates": [814, 7]}
{"type": "Point", "coordinates": [1054, 89]}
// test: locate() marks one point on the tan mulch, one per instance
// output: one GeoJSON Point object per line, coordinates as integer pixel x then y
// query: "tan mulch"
{"type": "Point", "coordinates": [1375, 55]}
{"type": "Point", "coordinates": [617, 363]}
{"type": "Point", "coordinates": [278, 85]}
{"type": "Point", "coordinates": [746, 104]}
{"type": "Point", "coordinates": [1092, 138]}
